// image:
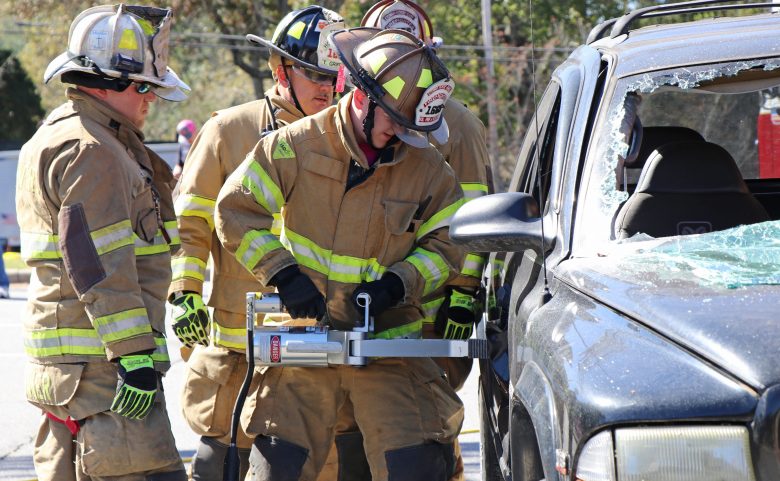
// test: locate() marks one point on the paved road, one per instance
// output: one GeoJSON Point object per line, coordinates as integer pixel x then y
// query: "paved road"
{"type": "Point", "coordinates": [19, 420]}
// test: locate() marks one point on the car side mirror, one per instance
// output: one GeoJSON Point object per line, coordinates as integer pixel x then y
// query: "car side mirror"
{"type": "Point", "coordinates": [506, 222]}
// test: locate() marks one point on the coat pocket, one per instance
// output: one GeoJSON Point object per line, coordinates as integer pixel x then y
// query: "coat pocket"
{"type": "Point", "coordinates": [441, 410]}
{"type": "Point", "coordinates": [401, 228]}
{"type": "Point", "coordinates": [324, 166]}
{"type": "Point", "coordinates": [51, 385]}
{"type": "Point", "coordinates": [145, 212]}
{"type": "Point", "coordinates": [210, 390]}
{"type": "Point", "coordinates": [112, 445]}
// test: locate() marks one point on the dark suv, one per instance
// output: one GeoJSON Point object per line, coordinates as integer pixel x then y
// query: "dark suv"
{"type": "Point", "coordinates": [636, 260]}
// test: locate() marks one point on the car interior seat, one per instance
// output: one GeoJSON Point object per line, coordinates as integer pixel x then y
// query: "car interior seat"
{"type": "Point", "coordinates": [650, 139]}
{"type": "Point", "coordinates": [688, 187]}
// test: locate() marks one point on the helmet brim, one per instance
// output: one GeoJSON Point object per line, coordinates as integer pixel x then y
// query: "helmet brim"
{"type": "Point", "coordinates": [168, 87]}
{"type": "Point", "coordinates": [175, 93]}
{"type": "Point", "coordinates": [419, 139]}
{"type": "Point", "coordinates": [278, 51]}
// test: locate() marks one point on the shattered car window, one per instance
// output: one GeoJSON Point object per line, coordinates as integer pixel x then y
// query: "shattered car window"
{"type": "Point", "coordinates": [743, 256]}
{"type": "Point", "coordinates": [729, 104]}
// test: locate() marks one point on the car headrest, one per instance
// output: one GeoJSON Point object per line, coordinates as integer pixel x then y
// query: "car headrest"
{"type": "Point", "coordinates": [691, 167]}
{"type": "Point", "coordinates": [654, 137]}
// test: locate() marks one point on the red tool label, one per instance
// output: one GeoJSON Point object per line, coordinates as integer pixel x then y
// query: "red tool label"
{"type": "Point", "coordinates": [276, 348]}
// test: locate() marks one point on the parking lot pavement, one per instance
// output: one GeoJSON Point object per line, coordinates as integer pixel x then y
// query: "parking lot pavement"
{"type": "Point", "coordinates": [19, 421]}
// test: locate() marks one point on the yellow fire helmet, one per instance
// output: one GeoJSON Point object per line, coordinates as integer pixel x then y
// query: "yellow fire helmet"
{"type": "Point", "coordinates": [119, 44]}
{"type": "Point", "coordinates": [401, 75]}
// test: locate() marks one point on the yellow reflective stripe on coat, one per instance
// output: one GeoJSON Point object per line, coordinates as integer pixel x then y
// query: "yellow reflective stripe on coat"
{"type": "Point", "coordinates": [63, 342]}
{"type": "Point", "coordinates": [440, 219]}
{"type": "Point", "coordinates": [431, 267]}
{"type": "Point", "coordinates": [473, 265]}
{"type": "Point", "coordinates": [39, 246]}
{"type": "Point", "coordinates": [339, 268]}
{"type": "Point", "coordinates": [472, 190]}
{"type": "Point", "coordinates": [231, 337]}
{"type": "Point", "coordinates": [190, 267]}
{"type": "Point", "coordinates": [172, 229]}
{"type": "Point", "coordinates": [255, 245]}
{"type": "Point", "coordinates": [160, 353]}
{"type": "Point", "coordinates": [123, 325]}
{"type": "Point", "coordinates": [158, 246]}
{"type": "Point", "coordinates": [430, 309]}
{"type": "Point", "coordinates": [277, 224]}
{"type": "Point", "coordinates": [191, 205]}
{"type": "Point", "coordinates": [105, 240]}
{"type": "Point", "coordinates": [69, 341]}
{"type": "Point", "coordinates": [412, 330]}
{"type": "Point", "coordinates": [263, 188]}
{"type": "Point", "coordinates": [112, 237]}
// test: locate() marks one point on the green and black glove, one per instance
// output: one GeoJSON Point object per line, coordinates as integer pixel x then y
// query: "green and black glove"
{"type": "Point", "coordinates": [137, 386]}
{"type": "Point", "coordinates": [455, 319]}
{"type": "Point", "coordinates": [190, 319]}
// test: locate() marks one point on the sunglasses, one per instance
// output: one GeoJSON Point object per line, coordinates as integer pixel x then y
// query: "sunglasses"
{"type": "Point", "coordinates": [143, 87]}
{"type": "Point", "coordinates": [313, 76]}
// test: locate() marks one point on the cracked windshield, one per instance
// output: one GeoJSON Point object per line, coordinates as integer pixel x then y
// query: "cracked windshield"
{"type": "Point", "coordinates": [690, 141]}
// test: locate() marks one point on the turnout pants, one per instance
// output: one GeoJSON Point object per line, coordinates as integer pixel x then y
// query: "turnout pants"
{"type": "Point", "coordinates": [108, 447]}
{"type": "Point", "coordinates": [213, 381]}
{"type": "Point", "coordinates": [404, 408]}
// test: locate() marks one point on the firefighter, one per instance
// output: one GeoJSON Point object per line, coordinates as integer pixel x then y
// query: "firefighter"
{"type": "Point", "coordinates": [304, 77]}
{"type": "Point", "coordinates": [98, 228]}
{"type": "Point", "coordinates": [450, 312]}
{"type": "Point", "coordinates": [366, 203]}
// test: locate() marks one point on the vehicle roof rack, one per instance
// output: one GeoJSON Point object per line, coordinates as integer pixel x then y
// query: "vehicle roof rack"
{"type": "Point", "coordinates": [620, 25]}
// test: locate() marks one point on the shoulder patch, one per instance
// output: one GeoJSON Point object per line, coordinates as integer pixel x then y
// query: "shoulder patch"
{"type": "Point", "coordinates": [283, 150]}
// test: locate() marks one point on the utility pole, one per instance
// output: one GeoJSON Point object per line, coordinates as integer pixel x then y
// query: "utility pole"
{"type": "Point", "coordinates": [490, 101]}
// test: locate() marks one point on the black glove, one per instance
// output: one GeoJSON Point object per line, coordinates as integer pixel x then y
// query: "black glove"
{"type": "Point", "coordinates": [137, 386]}
{"type": "Point", "coordinates": [455, 319]}
{"type": "Point", "coordinates": [386, 292]}
{"type": "Point", "coordinates": [299, 294]}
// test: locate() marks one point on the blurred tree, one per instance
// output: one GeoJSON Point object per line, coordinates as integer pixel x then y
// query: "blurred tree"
{"type": "Point", "coordinates": [20, 105]}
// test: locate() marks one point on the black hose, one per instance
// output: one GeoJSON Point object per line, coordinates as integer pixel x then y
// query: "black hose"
{"type": "Point", "coordinates": [232, 460]}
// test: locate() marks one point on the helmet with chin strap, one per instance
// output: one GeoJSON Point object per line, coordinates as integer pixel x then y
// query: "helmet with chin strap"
{"type": "Point", "coordinates": [112, 46]}
{"type": "Point", "coordinates": [302, 38]}
{"type": "Point", "coordinates": [403, 76]}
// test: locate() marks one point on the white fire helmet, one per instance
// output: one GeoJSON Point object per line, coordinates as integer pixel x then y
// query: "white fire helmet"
{"type": "Point", "coordinates": [122, 43]}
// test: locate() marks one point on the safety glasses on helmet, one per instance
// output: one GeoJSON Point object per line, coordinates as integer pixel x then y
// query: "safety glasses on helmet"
{"type": "Point", "coordinates": [313, 76]}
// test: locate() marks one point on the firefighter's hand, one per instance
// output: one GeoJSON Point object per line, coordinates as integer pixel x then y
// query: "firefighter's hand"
{"type": "Point", "coordinates": [385, 293]}
{"type": "Point", "coordinates": [137, 386]}
{"type": "Point", "coordinates": [190, 319]}
{"type": "Point", "coordinates": [455, 319]}
{"type": "Point", "coordinates": [298, 294]}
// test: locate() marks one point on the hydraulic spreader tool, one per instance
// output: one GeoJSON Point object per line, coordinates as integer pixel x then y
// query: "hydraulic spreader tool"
{"type": "Point", "coordinates": [320, 346]}
{"type": "Point", "coordinates": [313, 346]}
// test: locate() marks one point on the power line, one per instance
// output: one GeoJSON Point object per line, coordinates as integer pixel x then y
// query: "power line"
{"type": "Point", "coordinates": [27, 27]}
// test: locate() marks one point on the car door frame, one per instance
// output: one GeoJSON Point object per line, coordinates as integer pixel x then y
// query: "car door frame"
{"type": "Point", "coordinates": [532, 399]}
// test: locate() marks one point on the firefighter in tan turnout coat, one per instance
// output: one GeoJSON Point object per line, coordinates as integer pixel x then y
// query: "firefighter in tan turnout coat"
{"type": "Point", "coordinates": [98, 227]}
{"type": "Point", "coordinates": [362, 212]}
{"type": "Point", "coordinates": [449, 312]}
{"type": "Point", "coordinates": [305, 78]}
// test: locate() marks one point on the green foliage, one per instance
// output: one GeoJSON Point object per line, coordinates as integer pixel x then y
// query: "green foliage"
{"type": "Point", "coordinates": [209, 52]}
{"type": "Point", "coordinates": [20, 105]}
